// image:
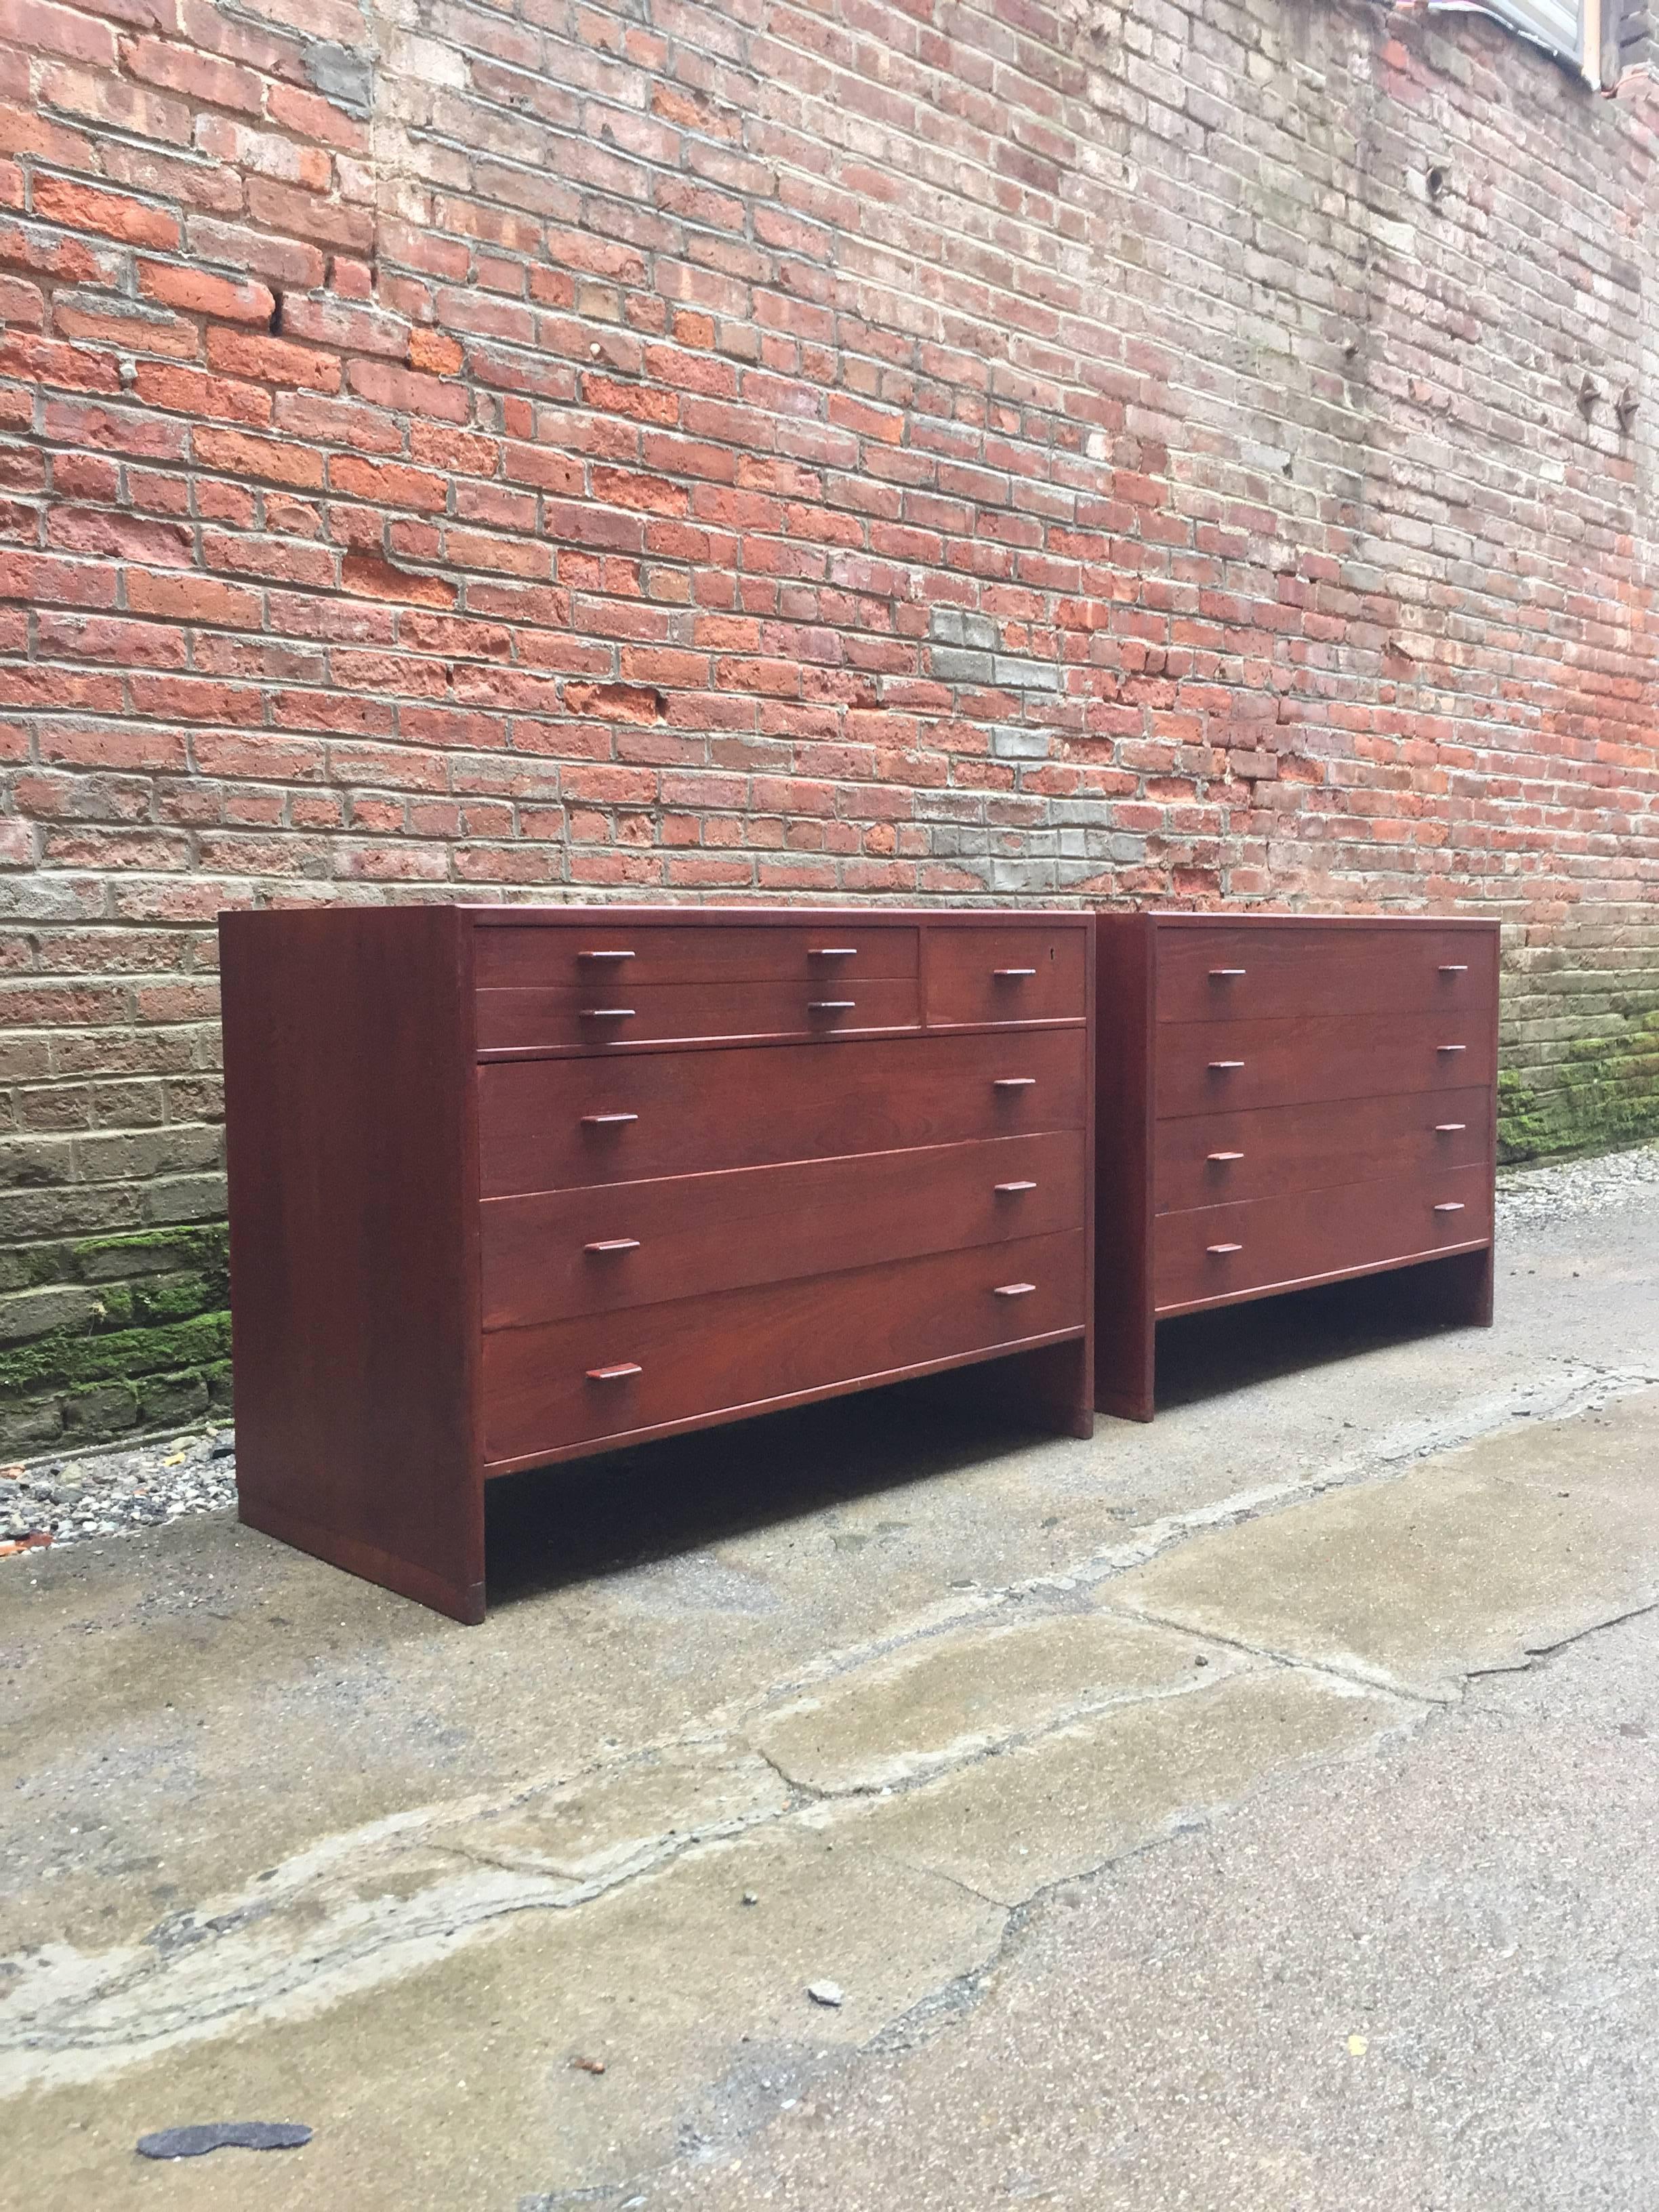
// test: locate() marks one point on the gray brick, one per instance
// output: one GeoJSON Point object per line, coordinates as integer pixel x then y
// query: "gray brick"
{"type": "Point", "coordinates": [32, 1313]}
{"type": "Point", "coordinates": [1013, 741]}
{"type": "Point", "coordinates": [1013, 674]}
{"type": "Point", "coordinates": [952, 666]}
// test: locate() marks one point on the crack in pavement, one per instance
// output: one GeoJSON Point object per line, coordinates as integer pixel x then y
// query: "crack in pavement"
{"type": "Point", "coordinates": [376, 1903]}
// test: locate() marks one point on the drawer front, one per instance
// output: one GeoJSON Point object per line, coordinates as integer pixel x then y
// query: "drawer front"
{"type": "Point", "coordinates": [562, 1124]}
{"type": "Point", "coordinates": [1206, 1067]}
{"type": "Point", "coordinates": [1219, 1252]}
{"type": "Point", "coordinates": [613, 1014]}
{"type": "Point", "coordinates": [1211, 1159]}
{"type": "Point", "coordinates": [1012, 973]}
{"type": "Point", "coordinates": [559, 1254]}
{"type": "Point", "coordinates": [572, 1383]}
{"type": "Point", "coordinates": [593, 952]}
{"type": "Point", "coordinates": [1254, 971]}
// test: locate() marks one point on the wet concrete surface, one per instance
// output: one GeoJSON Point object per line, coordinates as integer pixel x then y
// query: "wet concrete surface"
{"type": "Point", "coordinates": [275, 1844]}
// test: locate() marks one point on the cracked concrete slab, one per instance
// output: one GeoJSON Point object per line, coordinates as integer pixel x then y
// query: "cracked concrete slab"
{"type": "Point", "coordinates": [1093, 1790]}
{"type": "Point", "coordinates": [1460, 1565]}
{"type": "Point", "coordinates": [939, 1701]}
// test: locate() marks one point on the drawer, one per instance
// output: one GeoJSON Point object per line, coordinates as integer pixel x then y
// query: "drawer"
{"type": "Point", "coordinates": [562, 1253]}
{"type": "Point", "coordinates": [613, 1014]}
{"type": "Point", "coordinates": [559, 1124]}
{"type": "Point", "coordinates": [565, 1384]}
{"type": "Point", "coordinates": [1229, 972]}
{"type": "Point", "coordinates": [596, 953]}
{"type": "Point", "coordinates": [1215, 1253]}
{"type": "Point", "coordinates": [1018, 972]}
{"type": "Point", "coordinates": [1203, 1067]}
{"type": "Point", "coordinates": [1208, 1159]}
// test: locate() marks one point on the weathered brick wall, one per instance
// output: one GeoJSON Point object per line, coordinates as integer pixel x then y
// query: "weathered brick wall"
{"type": "Point", "coordinates": [878, 449]}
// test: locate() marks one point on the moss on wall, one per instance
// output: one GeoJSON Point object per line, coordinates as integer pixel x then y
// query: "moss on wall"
{"type": "Point", "coordinates": [115, 1332]}
{"type": "Point", "coordinates": [1603, 1093]}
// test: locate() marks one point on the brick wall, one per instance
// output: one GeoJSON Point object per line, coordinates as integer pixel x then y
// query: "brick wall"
{"type": "Point", "coordinates": [729, 448]}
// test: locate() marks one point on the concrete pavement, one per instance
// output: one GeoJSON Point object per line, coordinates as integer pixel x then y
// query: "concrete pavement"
{"type": "Point", "coordinates": [968, 1716]}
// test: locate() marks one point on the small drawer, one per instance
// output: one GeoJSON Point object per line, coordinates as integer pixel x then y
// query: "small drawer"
{"type": "Point", "coordinates": [1209, 1067]}
{"type": "Point", "coordinates": [1213, 1253]}
{"type": "Point", "coordinates": [627, 957]}
{"type": "Point", "coordinates": [562, 1124]}
{"type": "Point", "coordinates": [615, 1013]}
{"type": "Point", "coordinates": [556, 1253]}
{"type": "Point", "coordinates": [1016, 973]}
{"type": "Point", "coordinates": [1211, 1159]}
{"type": "Point", "coordinates": [1218, 972]}
{"type": "Point", "coordinates": [564, 1385]}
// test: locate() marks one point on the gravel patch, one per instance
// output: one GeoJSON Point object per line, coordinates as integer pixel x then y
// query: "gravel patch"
{"type": "Point", "coordinates": [72, 1498]}
{"type": "Point", "coordinates": [103, 1493]}
{"type": "Point", "coordinates": [1529, 1197]}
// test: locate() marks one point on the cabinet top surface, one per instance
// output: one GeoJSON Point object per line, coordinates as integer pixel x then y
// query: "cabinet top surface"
{"type": "Point", "coordinates": [678, 917]}
{"type": "Point", "coordinates": [1251, 918]}
{"type": "Point", "coordinates": [763, 917]}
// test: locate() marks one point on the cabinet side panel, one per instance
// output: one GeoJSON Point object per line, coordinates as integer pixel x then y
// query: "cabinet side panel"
{"type": "Point", "coordinates": [349, 1097]}
{"type": "Point", "coordinates": [1124, 1327]}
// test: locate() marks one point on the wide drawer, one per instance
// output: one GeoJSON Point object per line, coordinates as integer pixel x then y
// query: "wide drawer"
{"type": "Point", "coordinates": [612, 1015]}
{"type": "Point", "coordinates": [569, 1383]}
{"type": "Point", "coordinates": [1219, 1252]}
{"type": "Point", "coordinates": [559, 1124]}
{"type": "Point", "coordinates": [1208, 1066]}
{"type": "Point", "coordinates": [634, 954]}
{"type": "Point", "coordinates": [1209, 1159]}
{"type": "Point", "coordinates": [1012, 973]}
{"type": "Point", "coordinates": [562, 1253]}
{"type": "Point", "coordinates": [1226, 972]}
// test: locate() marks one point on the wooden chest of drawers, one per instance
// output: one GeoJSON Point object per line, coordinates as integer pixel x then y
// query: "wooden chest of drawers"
{"type": "Point", "coordinates": [1283, 1101]}
{"type": "Point", "coordinates": [514, 1185]}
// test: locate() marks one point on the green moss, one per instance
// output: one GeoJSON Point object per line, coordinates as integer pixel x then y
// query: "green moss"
{"type": "Point", "coordinates": [68, 1358]}
{"type": "Point", "coordinates": [203, 1249]}
{"type": "Point", "coordinates": [1606, 1095]}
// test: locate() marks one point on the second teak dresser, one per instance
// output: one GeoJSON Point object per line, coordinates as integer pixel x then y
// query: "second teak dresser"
{"type": "Point", "coordinates": [516, 1185]}
{"type": "Point", "coordinates": [1287, 1100]}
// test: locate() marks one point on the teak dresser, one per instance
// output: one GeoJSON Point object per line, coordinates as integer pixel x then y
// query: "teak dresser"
{"type": "Point", "coordinates": [511, 1185]}
{"type": "Point", "coordinates": [1283, 1101]}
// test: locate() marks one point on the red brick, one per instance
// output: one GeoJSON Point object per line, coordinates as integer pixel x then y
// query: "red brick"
{"type": "Point", "coordinates": [197, 292]}
{"type": "Point", "coordinates": [375, 578]}
{"type": "Point", "coordinates": [193, 598]}
{"type": "Point", "coordinates": [274, 460]}
{"type": "Point", "coordinates": [435, 351]}
{"type": "Point", "coordinates": [83, 207]}
{"type": "Point", "coordinates": [272, 360]}
{"type": "Point", "coordinates": [38, 26]}
{"type": "Point", "coordinates": [182, 69]}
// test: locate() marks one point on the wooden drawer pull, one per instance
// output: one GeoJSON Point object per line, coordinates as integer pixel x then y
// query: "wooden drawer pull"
{"type": "Point", "coordinates": [1224, 1248]}
{"type": "Point", "coordinates": [1451, 1048]}
{"type": "Point", "coordinates": [1223, 1156]}
{"type": "Point", "coordinates": [1013, 1186]}
{"type": "Point", "coordinates": [1228, 971]}
{"type": "Point", "coordinates": [1012, 974]}
{"type": "Point", "coordinates": [1448, 1128]}
{"type": "Point", "coordinates": [1454, 966]}
{"type": "Point", "coordinates": [1449, 1206]}
{"type": "Point", "coordinates": [1226, 1063]}
{"type": "Point", "coordinates": [614, 1244]}
{"type": "Point", "coordinates": [607, 1013]}
{"type": "Point", "coordinates": [1012, 1290]}
{"type": "Point", "coordinates": [831, 952]}
{"type": "Point", "coordinates": [619, 1373]}
{"type": "Point", "coordinates": [830, 1005]}
{"type": "Point", "coordinates": [1013, 1082]}
{"type": "Point", "coordinates": [604, 955]}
